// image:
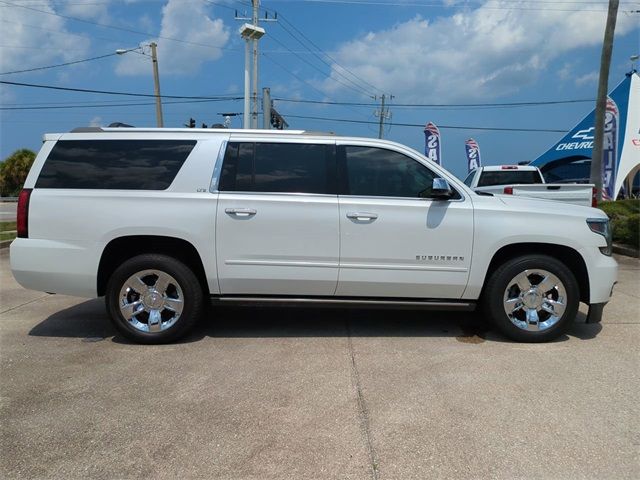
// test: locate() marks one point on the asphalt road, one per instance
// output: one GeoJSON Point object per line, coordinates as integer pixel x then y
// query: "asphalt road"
{"type": "Point", "coordinates": [8, 211]}
{"type": "Point", "coordinates": [276, 394]}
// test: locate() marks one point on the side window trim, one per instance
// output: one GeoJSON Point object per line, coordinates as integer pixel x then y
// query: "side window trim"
{"type": "Point", "coordinates": [217, 167]}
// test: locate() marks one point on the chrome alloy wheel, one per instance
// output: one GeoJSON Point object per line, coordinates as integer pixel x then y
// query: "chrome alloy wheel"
{"type": "Point", "coordinates": [151, 301]}
{"type": "Point", "coordinates": [535, 300]}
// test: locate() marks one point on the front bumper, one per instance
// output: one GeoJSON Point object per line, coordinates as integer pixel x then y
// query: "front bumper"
{"type": "Point", "coordinates": [603, 274]}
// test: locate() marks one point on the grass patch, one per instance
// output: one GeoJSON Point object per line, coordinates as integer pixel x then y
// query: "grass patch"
{"type": "Point", "coordinates": [7, 230]}
{"type": "Point", "coordinates": [625, 220]}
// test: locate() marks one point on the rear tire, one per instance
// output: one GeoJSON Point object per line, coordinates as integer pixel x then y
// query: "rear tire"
{"type": "Point", "coordinates": [154, 299]}
{"type": "Point", "coordinates": [532, 298]}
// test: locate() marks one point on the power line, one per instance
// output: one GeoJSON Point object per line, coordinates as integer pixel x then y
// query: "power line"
{"type": "Point", "coordinates": [356, 89]}
{"type": "Point", "coordinates": [107, 92]}
{"type": "Point", "coordinates": [320, 51]}
{"type": "Point", "coordinates": [352, 82]}
{"type": "Point", "coordinates": [460, 6]}
{"type": "Point", "coordinates": [438, 105]}
{"type": "Point", "coordinates": [116, 27]}
{"type": "Point", "coordinates": [60, 64]}
{"type": "Point", "coordinates": [285, 20]}
{"type": "Point", "coordinates": [137, 104]}
{"type": "Point", "coordinates": [454, 127]}
{"type": "Point", "coordinates": [292, 74]}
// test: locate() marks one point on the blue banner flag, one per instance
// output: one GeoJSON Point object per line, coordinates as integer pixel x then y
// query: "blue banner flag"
{"type": "Point", "coordinates": [473, 154]}
{"type": "Point", "coordinates": [432, 143]}
{"type": "Point", "coordinates": [610, 149]}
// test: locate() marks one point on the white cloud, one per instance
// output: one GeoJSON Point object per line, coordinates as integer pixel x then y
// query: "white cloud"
{"type": "Point", "coordinates": [589, 78]}
{"type": "Point", "coordinates": [38, 40]}
{"type": "Point", "coordinates": [567, 71]}
{"type": "Point", "coordinates": [87, 11]}
{"type": "Point", "coordinates": [474, 54]}
{"type": "Point", "coordinates": [189, 22]}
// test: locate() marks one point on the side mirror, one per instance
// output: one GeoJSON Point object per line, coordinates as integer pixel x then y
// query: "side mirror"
{"type": "Point", "coordinates": [441, 189]}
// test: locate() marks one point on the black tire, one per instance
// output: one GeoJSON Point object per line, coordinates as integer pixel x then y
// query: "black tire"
{"type": "Point", "coordinates": [155, 310]}
{"type": "Point", "coordinates": [500, 293]}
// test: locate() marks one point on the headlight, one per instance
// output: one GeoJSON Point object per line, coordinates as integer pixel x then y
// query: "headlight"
{"type": "Point", "coordinates": [602, 227]}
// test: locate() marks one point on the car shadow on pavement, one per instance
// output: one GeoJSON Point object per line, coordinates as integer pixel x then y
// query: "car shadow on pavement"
{"type": "Point", "coordinates": [88, 320]}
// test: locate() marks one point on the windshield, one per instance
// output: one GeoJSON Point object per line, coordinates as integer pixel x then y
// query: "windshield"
{"type": "Point", "coordinates": [508, 177]}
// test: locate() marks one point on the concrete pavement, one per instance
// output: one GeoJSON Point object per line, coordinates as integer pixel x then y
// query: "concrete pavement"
{"type": "Point", "coordinates": [297, 393]}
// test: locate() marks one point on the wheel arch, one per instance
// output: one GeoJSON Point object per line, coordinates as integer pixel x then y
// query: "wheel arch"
{"type": "Point", "coordinates": [567, 255]}
{"type": "Point", "coordinates": [121, 249]}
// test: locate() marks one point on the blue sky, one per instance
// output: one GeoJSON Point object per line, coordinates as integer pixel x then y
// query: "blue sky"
{"type": "Point", "coordinates": [420, 51]}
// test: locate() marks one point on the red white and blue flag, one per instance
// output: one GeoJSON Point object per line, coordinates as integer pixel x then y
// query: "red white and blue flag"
{"type": "Point", "coordinates": [432, 143]}
{"type": "Point", "coordinates": [610, 149]}
{"type": "Point", "coordinates": [473, 154]}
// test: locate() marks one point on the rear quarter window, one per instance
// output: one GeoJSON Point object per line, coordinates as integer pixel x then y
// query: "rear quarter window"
{"type": "Point", "coordinates": [114, 164]}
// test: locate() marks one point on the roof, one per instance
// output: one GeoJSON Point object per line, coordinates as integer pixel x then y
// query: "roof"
{"type": "Point", "coordinates": [197, 130]}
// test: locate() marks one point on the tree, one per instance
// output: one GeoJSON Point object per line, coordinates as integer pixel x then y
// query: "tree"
{"type": "Point", "coordinates": [14, 170]}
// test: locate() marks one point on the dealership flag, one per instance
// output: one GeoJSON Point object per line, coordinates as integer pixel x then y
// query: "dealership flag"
{"type": "Point", "coordinates": [432, 143]}
{"type": "Point", "coordinates": [473, 154]}
{"type": "Point", "coordinates": [622, 137]}
{"type": "Point", "coordinates": [610, 149]}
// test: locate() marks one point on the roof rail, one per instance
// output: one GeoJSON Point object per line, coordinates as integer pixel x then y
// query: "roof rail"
{"type": "Point", "coordinates": [86, 129]}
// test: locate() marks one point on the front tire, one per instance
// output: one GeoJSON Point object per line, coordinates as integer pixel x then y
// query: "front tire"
{"type": "Point", "coordinates": [154, 299]}
{"type": "Point", "coordinates": [533, 298]}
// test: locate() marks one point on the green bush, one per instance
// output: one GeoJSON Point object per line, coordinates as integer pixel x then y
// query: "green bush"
{"type": "Point", "coordinates": [625, 220]}
{"type": "Point", "coordinates": [14, 170]}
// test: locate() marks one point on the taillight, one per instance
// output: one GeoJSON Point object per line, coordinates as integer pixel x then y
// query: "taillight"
{"type": "Point", "coordinates": [594, 197]}
{"type": "Point", "coordinates": [509, 167]}
{"type": "Point", "coordinates": [508, 190]}
{"type": "Point", "coordinates": [22, 224]}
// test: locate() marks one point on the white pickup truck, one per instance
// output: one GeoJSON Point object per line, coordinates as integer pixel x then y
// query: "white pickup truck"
{"type": "Point", "coordinates": [162, 221]}
{"type": "Point", "coordinates": [527, 181]}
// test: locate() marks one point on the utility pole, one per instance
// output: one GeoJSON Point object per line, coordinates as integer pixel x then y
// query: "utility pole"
{"type": "Point", "coordinates": [383, 113]}
{"type": "Point", "coordinates": [266, 108]}
{"type": "Point", "coordinates": [601, 102]}
{"type": "Point", "coordinates": [254, 94]}
{"type": "Point", "coordinates": [156, 82]}
{"type": "Point", "coordinates": [252, 32]}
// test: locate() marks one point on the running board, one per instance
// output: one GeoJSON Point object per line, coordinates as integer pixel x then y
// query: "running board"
{"type": "Point", "coordinates": [332, 302]}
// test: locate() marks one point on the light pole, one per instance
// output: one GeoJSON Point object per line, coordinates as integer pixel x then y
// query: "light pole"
{"type": "Point", "coordinates": [250, 33]}
{"type": "Point", "coordinates": [156, 76]}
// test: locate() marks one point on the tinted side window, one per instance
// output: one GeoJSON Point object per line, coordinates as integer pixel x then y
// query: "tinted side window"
{"type": "Point", "coordinates": [377, 172]}
{"type": "Point", "coordinates": [278, 167]}
{"type": "Point", "coordinates": [114, 164]}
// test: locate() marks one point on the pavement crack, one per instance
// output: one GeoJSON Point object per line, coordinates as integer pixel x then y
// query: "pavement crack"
{"type": "Point", "coordinates": [23, 304]}
{"type": "Point", "coordinates": [363, 412]}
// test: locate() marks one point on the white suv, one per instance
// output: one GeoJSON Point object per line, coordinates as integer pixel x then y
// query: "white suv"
{"type": "Point", "coordinates": [158, 221]}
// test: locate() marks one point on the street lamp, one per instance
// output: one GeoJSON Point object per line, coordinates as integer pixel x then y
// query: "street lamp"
{"type": "Point", "coordinates": [156, 77]}
{"type": "Point", "coordinates": [251, 33]}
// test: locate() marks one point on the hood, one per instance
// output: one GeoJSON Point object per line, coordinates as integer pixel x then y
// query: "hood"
{"type": "Point", "coordinates": [526, 204]}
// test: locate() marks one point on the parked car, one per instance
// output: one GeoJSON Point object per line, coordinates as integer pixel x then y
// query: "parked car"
{"type": "Point", "coordinates": [159, 221]}
{"type": "Point", "coordinates": [527, 181]}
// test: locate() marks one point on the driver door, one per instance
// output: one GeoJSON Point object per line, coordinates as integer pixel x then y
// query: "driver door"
{"type": "Point", "coordinates": [394, 240]}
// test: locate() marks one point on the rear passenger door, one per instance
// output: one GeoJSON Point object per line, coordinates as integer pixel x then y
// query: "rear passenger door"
{"type": "Point", "coordinates": [277, 219]}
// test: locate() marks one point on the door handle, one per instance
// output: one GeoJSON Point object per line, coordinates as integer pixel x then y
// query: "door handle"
{"type": "Point", "coordinates": [362, 216]}
{"type": "Point", "coordinates": [241, 212]}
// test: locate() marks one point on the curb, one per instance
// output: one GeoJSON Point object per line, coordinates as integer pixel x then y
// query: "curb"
{"type": "Point", "coordinates": [5, 244]}
{"type": "Point", "coordinates": [626, 250]}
